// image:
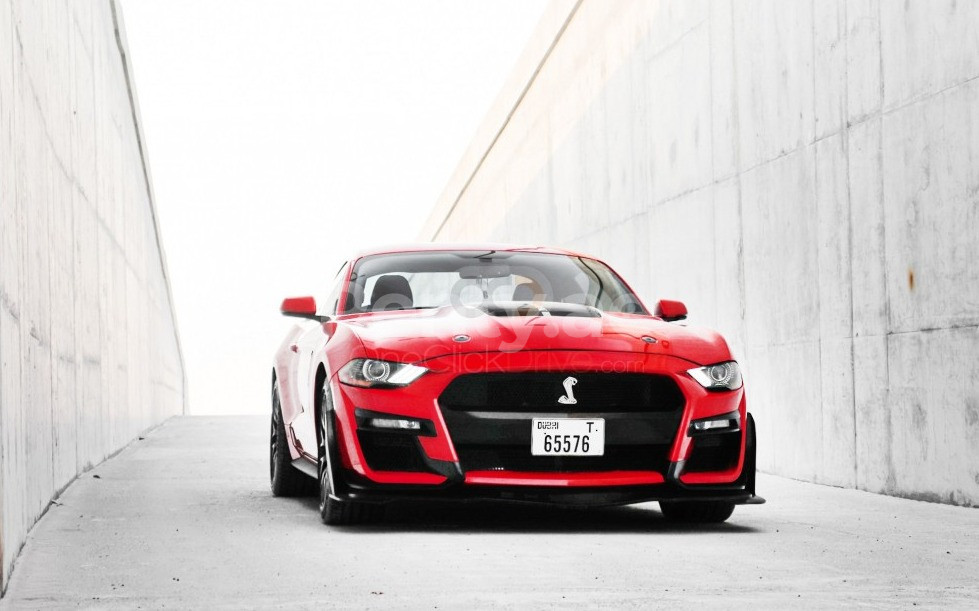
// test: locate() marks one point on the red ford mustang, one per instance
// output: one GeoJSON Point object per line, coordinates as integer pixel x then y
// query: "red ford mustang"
{"type": "Point", "coordinates": [504, 372]}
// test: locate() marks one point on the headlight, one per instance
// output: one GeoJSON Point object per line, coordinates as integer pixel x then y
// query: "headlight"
{"type": "Point", "coordinates": [722, 376]}
{"type": "Point", "coordinates": [371, 372]}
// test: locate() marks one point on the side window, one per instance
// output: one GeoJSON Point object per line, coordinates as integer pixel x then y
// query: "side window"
{"type": "Point", "coordinates": [329, 305]}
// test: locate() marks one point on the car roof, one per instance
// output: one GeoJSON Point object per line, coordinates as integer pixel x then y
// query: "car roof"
{"type": "Point", "coordinates": [464, 246]}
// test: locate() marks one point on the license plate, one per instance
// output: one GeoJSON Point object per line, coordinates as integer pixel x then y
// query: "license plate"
{"type": "Point", "coordinates": [567, 437]}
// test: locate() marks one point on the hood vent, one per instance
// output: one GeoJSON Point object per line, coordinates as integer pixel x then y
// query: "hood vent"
{"type": "Point", "coordinates": [545, 308]}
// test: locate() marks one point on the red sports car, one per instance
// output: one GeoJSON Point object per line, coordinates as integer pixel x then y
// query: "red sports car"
{"type": "Point", "coordinates": [502, 372]}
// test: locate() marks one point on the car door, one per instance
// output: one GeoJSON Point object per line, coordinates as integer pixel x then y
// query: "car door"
{"type": "Point", "coordinates": [310, 347]}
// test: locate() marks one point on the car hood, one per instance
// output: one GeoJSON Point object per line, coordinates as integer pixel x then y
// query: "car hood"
{"type": "Point", "coordinates": [419, 335]}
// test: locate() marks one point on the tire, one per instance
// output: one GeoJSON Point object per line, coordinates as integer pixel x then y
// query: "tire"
{"type": "Point", "coordinates": [285, 479]}
{"type": "Point", "coordinates": [698, 512]}
{"type": "Point", "coordinates": [334, 511]}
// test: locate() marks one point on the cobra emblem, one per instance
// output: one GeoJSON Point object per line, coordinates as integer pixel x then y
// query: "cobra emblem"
{"type": "Point", "coordinates": [568, 397]}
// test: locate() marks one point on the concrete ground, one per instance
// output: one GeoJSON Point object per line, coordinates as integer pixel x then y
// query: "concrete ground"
{"type": "Point", "coordinates": [184, 519]}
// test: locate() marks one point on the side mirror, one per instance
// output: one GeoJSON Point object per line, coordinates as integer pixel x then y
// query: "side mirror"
{"type": "Point", "coordinates": [300, 307]}
{"type": "Point", "coordinates": [671, 310]}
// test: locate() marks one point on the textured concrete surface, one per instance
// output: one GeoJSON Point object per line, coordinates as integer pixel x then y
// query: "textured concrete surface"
{"type": "Point", "coordinates": [803, 174]}
{"type": "Point", "coordinates": [88, 349]}
{"type": "Point", "coordinates": [184, 519]}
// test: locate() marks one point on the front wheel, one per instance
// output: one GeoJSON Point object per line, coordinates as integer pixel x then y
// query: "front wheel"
{"type": "Point", "coordinates": [703, 512]}
{"type": "Point", "coordinates": [334, 511]}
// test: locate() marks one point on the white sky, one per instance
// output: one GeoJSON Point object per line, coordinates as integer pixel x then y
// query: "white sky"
{"type": "Point", "coordinates": [285, 135]}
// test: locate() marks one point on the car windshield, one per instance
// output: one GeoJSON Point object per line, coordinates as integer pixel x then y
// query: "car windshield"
{"type": "Point", "coordinates": [471, 278]}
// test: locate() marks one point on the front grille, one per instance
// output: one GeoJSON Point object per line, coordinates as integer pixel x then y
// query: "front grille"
{"type": "Point", "coordinates": [717, 452]}
{"type": "Point", "coordinates": [391, 451]}
{"type": "Point", "coordinates": [489, 419]}
{"type": "Point", "coordinates": [539, 392]}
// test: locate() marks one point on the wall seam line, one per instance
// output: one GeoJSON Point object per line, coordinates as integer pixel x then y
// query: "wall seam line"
{"type": "Point", "coordinates": [509, 116]}
{"type": "Point", "coordinates": [818, 469]}
{"type": "Point", "coordinates": [849, 237]}
{"type": "Point", "coordinates": [141, 145]}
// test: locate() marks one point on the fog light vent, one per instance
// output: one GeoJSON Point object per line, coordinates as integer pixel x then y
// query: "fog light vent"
{"type": "Point", "coordinates": [718, 424]}
{"type": "Point", "coordinates": [394, 423]}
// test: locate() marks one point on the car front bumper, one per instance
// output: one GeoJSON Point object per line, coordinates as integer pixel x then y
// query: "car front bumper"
{"type": "Point", "coordinates": [481, 451]}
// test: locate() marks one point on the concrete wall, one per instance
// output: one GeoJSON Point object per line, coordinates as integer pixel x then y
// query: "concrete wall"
{"type": "Point", "coordinates": [804, 174]}
{"type": "Point", "coordinates": [88, 348]}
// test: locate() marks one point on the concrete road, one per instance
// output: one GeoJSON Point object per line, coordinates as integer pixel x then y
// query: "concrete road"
{"type": "Point", "coordinates": [184, 519]}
